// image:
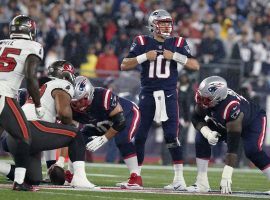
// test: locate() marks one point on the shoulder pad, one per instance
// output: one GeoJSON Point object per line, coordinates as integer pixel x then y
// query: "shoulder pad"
{"type": "Point", "coordinates": [64, 85]}
{"type": "Point", "coordinates": [35, 48]}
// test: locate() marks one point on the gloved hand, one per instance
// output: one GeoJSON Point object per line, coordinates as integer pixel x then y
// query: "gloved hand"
{"type": "Point", "coordinates": [211, 136]}
{"type": "Point", "coordinates": [225, 186]}
{"type": "Point", "coordinates": [40, 111]}
{"type": "Point", "coordinates": [226, 180]}
{"type": "Point", "coordinates": [96, 143]}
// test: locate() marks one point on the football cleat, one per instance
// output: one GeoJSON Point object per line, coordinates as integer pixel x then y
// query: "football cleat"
{"type": "Point", "coordinates": [198, 188]}
{"type": "Point", "coordinates": [23, 187]}
{"type": "Point", "coordinates": [177, 186]}
{"type": "Point", "coordinates": [134, 183]}
{"type": "Point", "coordinates": [122, 183]}
{"type": "Point", "coordinates": [82, 182]}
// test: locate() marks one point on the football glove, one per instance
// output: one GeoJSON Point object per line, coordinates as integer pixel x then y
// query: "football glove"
{"type": "Point", "coordinates": [40, 112]}
{"type": "Point", "coordinates": [96, 143]}
{"type": "Point", "coordinates": [226, 180]}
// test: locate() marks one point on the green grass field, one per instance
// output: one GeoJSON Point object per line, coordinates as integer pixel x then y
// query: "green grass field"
{"type": "Point", "coordinates": [153, 176]}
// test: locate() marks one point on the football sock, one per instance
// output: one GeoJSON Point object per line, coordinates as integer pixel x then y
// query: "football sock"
{"type": "Point", "coordinates": [79, 168]}
{"type": "Point", "coordinates": [266, 171]}
{"type": "Point", "coordinates": [132, 165]}
{"type": "Point", "coordinates": [70, 167]}
{"type": "Point", "coordinates": [202, 167]}
{"type": "Point", "coordinates": [178, 172]}
{"type": "Point", "coordinates": [61, 161]}
{"type": "Point", "coordinates": [19, 175]}
{"type": "Point", "coordinates": [5, 168]}
{"type": "Point", "coordinates": [140, 170]}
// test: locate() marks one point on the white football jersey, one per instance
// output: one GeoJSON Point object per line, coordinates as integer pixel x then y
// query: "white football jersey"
{"type": "Point", "coordinates": [13, 54]}
{"type": "Point", "coordinates": [47, 101]}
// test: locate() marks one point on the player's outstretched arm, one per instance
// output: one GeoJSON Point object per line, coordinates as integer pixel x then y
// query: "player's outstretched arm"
{"type": "Point", "coordinates": [192, 64]}
{"type": "Point", "coordinates": [62, 104]}
{"type": "Point", "coordinates": [119, 123]}
{"type": "Point", "coordinates": [200, 124]}
{"type": "Point", "coordinates": [31, 64]}
{"type": "Point", "coordinates": [234, 129]}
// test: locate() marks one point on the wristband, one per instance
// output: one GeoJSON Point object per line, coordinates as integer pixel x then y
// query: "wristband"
{"type": "Point", "coordinates": [141, 58]}
{"type": "Point", "coordinates": [182, 59]}
{"type": "Point", "coordinates": [227, 172]}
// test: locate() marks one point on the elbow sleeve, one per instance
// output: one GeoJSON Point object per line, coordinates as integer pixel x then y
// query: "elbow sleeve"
{"type": "Point", "coordinates": [119, 121]}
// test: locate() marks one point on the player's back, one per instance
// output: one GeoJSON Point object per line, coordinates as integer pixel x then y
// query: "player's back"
{"type": "Point", "coordinates": [13, 54]}
{"type": "Point", "coordinates": [230, 108]}
{"type": "Point", "coordinates": [47, 100]}
{"type": "Point", "coordinates": [104, 102]}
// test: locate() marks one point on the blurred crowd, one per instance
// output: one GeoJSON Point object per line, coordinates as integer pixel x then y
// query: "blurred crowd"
{"type": "Point", "coordinates": [96, 34]}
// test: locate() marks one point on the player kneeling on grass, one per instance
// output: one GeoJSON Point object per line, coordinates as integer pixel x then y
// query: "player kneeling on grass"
{"type": "Point", "coordinates": [108, 116]}
{"type": "Point", "coordinates": [56, 97]}
{"type": "Point", "coordinates": [231, 118]}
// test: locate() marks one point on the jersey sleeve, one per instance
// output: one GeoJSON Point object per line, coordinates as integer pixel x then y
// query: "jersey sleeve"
{"type": "Point", "coordinates": [66, 86]}
{"type": "Point", "coordinates": [36, 48]}
{"type": "Point", "coordinates": [182, 47]}
{"type": "Point", "coordinates": [110, 100]}
{"type": "Point", "coordinates": [231, 111]}
{"type": "Point", "coordinates": [137, 46]}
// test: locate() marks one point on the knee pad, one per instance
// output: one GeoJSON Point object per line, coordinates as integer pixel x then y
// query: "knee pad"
{"type": "Point", "coordinates": [172, 143]}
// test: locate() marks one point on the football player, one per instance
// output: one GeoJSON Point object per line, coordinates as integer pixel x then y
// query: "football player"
{"type": "Point", "coordinates": [19, 58]}
{"type": "Point", "coordinates": [159, 56]}
{"type": "Point", "coordinates": [56, 97]}
{"type": "Point", "coordinates": [105, 116]}
{"type": "Point", "coordinates": [231, 117]}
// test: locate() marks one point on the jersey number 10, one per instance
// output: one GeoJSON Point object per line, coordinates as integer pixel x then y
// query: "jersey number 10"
{"type": "Point", "coordinates": [7, 63]}
{"type": "Point", "coordinates": [160, 68]}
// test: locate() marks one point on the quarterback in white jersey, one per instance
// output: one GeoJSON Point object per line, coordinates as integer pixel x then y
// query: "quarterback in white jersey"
{"type": "Point", "coordinates": [19, 58]}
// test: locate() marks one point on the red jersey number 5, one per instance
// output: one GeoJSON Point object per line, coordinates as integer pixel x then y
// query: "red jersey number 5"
{"type": "Point", "coordinates": [7, 62]}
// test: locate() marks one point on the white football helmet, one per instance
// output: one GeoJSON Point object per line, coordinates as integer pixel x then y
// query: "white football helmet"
{"type": "Point", "coordinates": [211, 91]}
{"type": "Point", "coordinates": [155, 26]}
{"type": "Point", "coordinates": [84, 94]}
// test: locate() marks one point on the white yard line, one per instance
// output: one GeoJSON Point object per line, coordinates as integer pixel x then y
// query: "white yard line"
{"type": "Point", "coordinates": [159, 167]}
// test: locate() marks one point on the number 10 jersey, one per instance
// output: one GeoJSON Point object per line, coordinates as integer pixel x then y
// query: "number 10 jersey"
{"type": "Point", "coordinates": [160, 74]}
{"type": "Point", "coordinates": [13, 54]}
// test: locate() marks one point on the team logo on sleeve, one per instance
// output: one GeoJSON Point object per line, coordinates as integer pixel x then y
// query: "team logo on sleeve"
{"type": "Point", "coordinates": [114, 101]}
{"type": "Point", "coordinates": [133, 46]}
{"type": "Point", "coordinates": [187, 49]}
{"type": "Point", "coordinates": [235, 112]}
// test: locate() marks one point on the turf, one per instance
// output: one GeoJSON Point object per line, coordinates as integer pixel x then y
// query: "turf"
{"type": "Point", "coordinates": [155, 177]}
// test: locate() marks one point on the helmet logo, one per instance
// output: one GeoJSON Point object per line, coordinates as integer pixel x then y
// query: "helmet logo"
{"type": "Point", "coordinates": [68, 67]}
{"type": "Point", "coordinates": [214, 86]}
{"type": "Point", "coordinates": [82, 85]}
